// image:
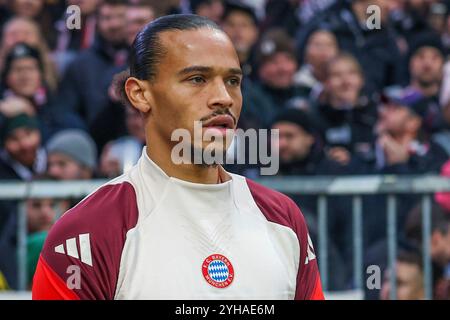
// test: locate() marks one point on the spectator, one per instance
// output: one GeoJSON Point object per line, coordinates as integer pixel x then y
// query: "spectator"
{"type": "Point", "coordinates": [137, 16]}
{"type": "Point", "coordinates": [409, 278]}
{"type": "Point", "coordinates": [211, 9]}
{"type": "Point", "coordinates": [84, 90]}
{"type": "Point", "coordinates": [40, 11]}
{"type": "Point", "coordinates": [277, 65]}
{"type": "Point", "coordinates": [402, 146]}
{"type": "Point", "coordinates": [375, 48]}
{"type": "Point", "coordinates": [426, 63]}
{"type": "Point", "coordinates": [25, 90]}
{"type": "Point", "coordinates": [22, 155]}
{"type": "Point", "coordinates": [301, 154]}
{"type": "Point", "coordinates": [23, 30]}
{"type": "Point", "coordinates": [20, 158]}
{"type": "Point", "coordinates": [41, 215]}
{"type": "Point", "coordinates": [72, 155]}
{"type": "Point", "coordinates": [321, 47]}
{"type": "Point", "coordinates": [69, 42]}
{"type": "Point", "coordinates": [300, 148]}
{"type": "Point", "coordinates": [345, 114]}
{"type": "Point", "coordinates": [241, 25]}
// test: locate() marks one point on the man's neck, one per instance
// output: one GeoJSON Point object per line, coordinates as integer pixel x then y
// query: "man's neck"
{"type": "Point", "coordinates": [427, 91]}
{"type": "Point", "coordinates": [205, 174]}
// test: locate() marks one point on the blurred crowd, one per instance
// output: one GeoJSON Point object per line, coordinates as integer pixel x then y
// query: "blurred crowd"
{"type": "Point", "coordinates": [352, 90]}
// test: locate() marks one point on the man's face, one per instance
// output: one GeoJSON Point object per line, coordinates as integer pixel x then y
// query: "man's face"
{"type": "Point", "coordinates": [198, 78]}
{"type": "Point", "coordinates": [409, 283]}
{"type": "Point", "coordinates": [136, 19]}
{"type": "Point", "coordinates": [62, 167]}
{"type": "Point", "coordinates": [278, 72]}
{"type": "Point", "coordinates": [426, 66]}
{"type": "Point", "coordinates": [24, 77]}
{"type": "Point", "coordinates": [242, 31]}
{"type": "Point", "coordinates": [41, 214]}
{"type": "Point", "coordinates": [294, 142]}
{"type": "Point", "coordinates": [112, 23]}
{"type": "Point", "coordinates": [212, 11]}
{"type": "Point", "coordinates": [321, 47]}
{"type": "Point", "coordinates": [28, 8]}
{"type": "Point", "coordinates": [344, 82]}
{"type": "Point", "coordinates": [393, 119]}
{"type": "Point", "coordinates": [440, 247]}
{"type": "Point", "coordinates": [22, 145]}
{"type": "Point", "coordinates": [20, 31]}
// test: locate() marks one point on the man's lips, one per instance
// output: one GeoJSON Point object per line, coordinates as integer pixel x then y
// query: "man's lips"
{"type": "Point", "coordinates": [222, 121]}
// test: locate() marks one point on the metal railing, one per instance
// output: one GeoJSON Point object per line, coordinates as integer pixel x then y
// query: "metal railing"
{"type": "Point", "coordinates": [323, 187]}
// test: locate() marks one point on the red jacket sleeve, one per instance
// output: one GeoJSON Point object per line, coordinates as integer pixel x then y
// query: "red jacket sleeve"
{"type": "Point", "coordinates": [81, 255]}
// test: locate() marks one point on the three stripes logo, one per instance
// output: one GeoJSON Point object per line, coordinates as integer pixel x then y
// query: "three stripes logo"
{"type": "Point", "coordinates": [71, 248]}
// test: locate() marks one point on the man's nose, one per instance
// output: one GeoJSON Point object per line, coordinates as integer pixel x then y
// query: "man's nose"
{"type": "Point", "coordinates": [220, 97]}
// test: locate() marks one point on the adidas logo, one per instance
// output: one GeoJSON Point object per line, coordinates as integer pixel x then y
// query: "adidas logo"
{"type": "Point", "coordinates": [72, 249]}
{"type": "Point", "coordinates": [311, 254]}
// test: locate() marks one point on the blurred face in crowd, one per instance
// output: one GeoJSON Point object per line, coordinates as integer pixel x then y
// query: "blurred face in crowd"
{"type": "Point", "coordinates": [20, 30]}
{"type": "Point", "coordinates": [278, 71]}
{"type": "Point", "coordinates": [27, 8]}
{"type": "Point", "coordinates": [440, 247]}
{"type": "Point", "coordinates": [213, 10]}
{"type": "Point", "coordinates": [22, 145]}
{"type": "Point", "coordinates": [87, 7]}
{"type": "Point", "coordinates": [426, 67]}
{"type": "Point", "coordinates": [197, 79]}
{"type": "Point", "coordinates": [409, 282]}
{"type": "Point", "coordinates": [62, 167]}
{"type": "Point", "coordinates": [41, 214]}
{"type": "Point", "coordinates": [24, 77]}
{"type": "Point", "coordinates": [320, 48]}
{"type": "Point", "coordinates": [242, 31]}
{"type": "Point", "coordinates": [136, 18]}
{"type": "Point", "coordinates": [294, 142]}
{"type": "Point", "coordinates": [396, 120]}
{"type": "Point", "coordinates": [344, 82]}
{"type": "Point", "coordinates": [135, 123]}
{"type": "Point", "coordinates": [112, 23]}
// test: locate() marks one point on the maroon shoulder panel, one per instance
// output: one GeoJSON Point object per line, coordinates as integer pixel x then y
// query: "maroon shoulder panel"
{"type": "Point", "coordinates": [279, 208]}
{"type": "Point", "coordinates": [88, 241]}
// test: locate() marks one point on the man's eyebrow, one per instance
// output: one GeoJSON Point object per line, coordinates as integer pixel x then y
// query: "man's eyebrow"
{"type": "Point", "coordinates": [191, 69]}
{"type": "Point", "coordinates": [206, 69]}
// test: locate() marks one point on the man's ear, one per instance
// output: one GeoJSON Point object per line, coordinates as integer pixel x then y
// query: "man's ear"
{"type": "Point", "coordinates": [139, 94]}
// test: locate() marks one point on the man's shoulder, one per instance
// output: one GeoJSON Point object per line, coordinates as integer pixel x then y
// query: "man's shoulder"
{"type": "Point", "coordinates": [276, 206]}
{"type": "Point", "coordinates": [109, 210]}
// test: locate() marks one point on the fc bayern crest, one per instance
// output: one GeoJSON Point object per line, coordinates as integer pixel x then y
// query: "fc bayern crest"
{"type": "Point", "coordinates": [218, 271]}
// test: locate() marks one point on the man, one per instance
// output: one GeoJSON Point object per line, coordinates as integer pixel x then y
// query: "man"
{"type": "Point", "coordinates": [137, 16]}
{"type": "Point", "coordinates": [402, 146]}
{"type": "Point", "coordinates": [426, 60]}
{"type": "Point", "coordinates": [241, 25]}
{"type": "Point", "coordinates": [21, 157]}
{"type": "Point", "coordinates": [84, 88]}
{"type": "Point", "coordinates": [181, 231]}
{"type": "Point", "coordinates": [409, 278]}
{"type": "Point", "coordinates": [72, 155]}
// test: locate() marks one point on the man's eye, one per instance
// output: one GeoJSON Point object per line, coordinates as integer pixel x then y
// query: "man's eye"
{"type": "Point", "coordinates": [197, 80]}
{"type": "Point", "coordinates": [234, 81]}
